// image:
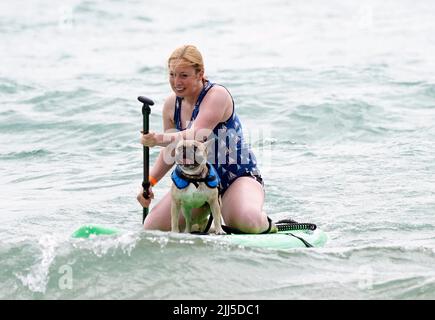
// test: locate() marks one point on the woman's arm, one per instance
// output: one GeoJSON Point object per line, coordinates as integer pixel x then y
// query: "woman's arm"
{"type": "Point", "coordinates": [162, 165]}
{"type": "Point", "coordinates": [216, 107]}
{"type": "Point", "coordinates": [165, 160]}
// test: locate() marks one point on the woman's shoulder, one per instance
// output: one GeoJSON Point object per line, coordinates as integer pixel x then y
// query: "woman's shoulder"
{"type": "Point", "coordinates": [218, 91]}
{"type": "Point", "coordinates": [220, 96]}
{"type": "Point", "coordinates": [168, 112]}
{"type": "Point", "coordinates": [169, 104]}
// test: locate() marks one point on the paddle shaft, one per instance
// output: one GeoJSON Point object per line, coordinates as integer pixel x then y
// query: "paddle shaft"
{"type": "Point", "coordinates": [146, 110]}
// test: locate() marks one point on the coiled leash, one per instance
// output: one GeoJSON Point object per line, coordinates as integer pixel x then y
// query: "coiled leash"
{"type": "Point", "coordinates": [289, 225]}
{"type": "Point", "coordinates": [282, 225]}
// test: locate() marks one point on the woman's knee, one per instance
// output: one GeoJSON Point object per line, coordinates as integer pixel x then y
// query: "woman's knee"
{"type": "Point", "coordinates": [153, 221]}
{"type": "Point", "coordinates": [159, 217]}
{"type": "Point", "coordinates": [248, 221]}
{"type": "Point", "coordinates": [242, 206]}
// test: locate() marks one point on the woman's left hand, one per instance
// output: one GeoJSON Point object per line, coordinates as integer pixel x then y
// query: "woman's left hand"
{"type": "Point", "coordinates": [149, 139]}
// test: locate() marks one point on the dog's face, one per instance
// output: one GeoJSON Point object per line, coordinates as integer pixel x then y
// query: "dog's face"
{"type": "Point", "coordinates": [191, 156]}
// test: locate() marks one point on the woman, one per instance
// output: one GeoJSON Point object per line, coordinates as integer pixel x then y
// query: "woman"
{"type": "Point", "coordinates": [199, 106]}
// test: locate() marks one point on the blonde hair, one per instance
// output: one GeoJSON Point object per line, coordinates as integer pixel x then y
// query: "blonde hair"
{"type": "Point", "coordinates": [189, 55]}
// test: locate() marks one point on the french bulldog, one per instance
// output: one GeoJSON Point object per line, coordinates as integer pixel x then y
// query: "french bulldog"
{"type": "Point", "coordinates": [195, 185]}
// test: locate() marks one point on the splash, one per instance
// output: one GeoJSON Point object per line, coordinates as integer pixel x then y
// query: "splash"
{"type": "Point", "coordinates": [36, 280]}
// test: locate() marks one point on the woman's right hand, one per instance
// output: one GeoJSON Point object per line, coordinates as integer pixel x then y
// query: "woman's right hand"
{"type": "Point", "coordinates": [145, 202]}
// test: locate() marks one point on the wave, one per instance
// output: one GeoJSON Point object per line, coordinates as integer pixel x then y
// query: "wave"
{"type": "Point", "coordinates": [9, 86]}
{"type": "Point", "coordinates": [158, 265]}
{"type": "Point", "coordinates": [338, 121]}
{"type": "Point", "coordinates": [52, 100]}
{"type": "Point", "coordinates": [25, 155]}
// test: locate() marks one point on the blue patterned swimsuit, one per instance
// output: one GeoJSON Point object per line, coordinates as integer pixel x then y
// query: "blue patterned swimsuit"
{"type": "Point", "coordinates": [231, 157]}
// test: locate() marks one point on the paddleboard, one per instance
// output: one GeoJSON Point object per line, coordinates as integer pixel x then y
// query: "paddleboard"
{"type": "Point", "coordinates": [283, 239]}
{"type": "Point", "coordinates": [279, 240]}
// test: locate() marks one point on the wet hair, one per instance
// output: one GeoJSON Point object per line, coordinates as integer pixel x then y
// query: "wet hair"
{"type": "Point", "coordinates": [190, 55]}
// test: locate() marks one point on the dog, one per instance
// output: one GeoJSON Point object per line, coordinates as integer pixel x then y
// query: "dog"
{"type": "Point", "coordinates": [195, 185]}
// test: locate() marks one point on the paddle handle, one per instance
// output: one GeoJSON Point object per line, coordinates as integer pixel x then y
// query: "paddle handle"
{"type": "Point", "coordinates": [146, 110]}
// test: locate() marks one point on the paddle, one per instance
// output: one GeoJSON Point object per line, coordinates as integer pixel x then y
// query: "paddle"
{"type": "Point", "coordinates": [87, 230]}
{"type": "Point", "coordinates": [146, 110]}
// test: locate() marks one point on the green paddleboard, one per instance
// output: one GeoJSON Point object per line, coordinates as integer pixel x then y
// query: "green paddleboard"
{"type": "Point", "coordinates": [280, 240]}
{"type": "Point", "coordinates": [91, 230]}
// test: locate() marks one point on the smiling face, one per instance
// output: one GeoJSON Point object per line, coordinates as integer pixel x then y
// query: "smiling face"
{"type": "Point", "coordinates": [186, 71]}
{"type": "Point", "coordinates": [184, 79]}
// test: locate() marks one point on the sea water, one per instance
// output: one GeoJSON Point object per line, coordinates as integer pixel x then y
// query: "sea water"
{"type": "Point", "coordinates": [337, 100]}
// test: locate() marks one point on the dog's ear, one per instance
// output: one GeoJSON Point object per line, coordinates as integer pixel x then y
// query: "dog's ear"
{"type": "Point", "coordinates": [209, 143]}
